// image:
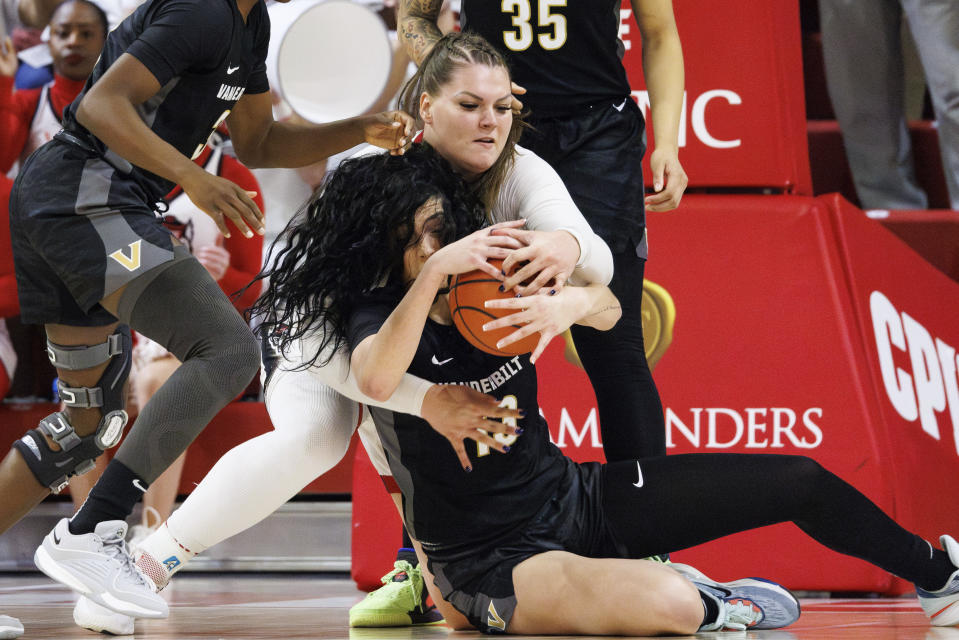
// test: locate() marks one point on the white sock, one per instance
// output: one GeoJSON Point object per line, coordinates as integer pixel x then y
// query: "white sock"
{"type": "Point", "coordinates": [313, 427]}
{"type": "Point", "coordinates": [161, 555]}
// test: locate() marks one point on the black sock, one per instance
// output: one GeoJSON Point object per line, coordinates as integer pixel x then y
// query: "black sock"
{"type": "Point", "coordinates": [112, 498]}
{"type": "Point", "coordinates": [407, 552]}
{"type": "Point", "coordinates": [710, 609]}
{"type": "Point", "coordinates": [938, 570]}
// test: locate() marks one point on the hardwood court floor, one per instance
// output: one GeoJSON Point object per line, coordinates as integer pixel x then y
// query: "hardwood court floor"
{"type": "Point", "coordinates": [254, 606]}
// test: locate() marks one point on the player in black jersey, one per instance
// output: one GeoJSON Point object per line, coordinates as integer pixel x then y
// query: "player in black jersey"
{"type": "Point", "coordinates": [585, 124]}
{"type": "Point", "coordinates": [524, 540]}
{"type": "Point", "coordinates": [93, 259]}
{"type": "Point", "coordinates": [567, 57]}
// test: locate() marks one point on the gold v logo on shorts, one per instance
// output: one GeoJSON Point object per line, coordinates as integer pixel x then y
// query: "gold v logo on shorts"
{"type": "Point", "coordinates": [131, 263]}
{"type": "Point", "coordinates": [494, 620]}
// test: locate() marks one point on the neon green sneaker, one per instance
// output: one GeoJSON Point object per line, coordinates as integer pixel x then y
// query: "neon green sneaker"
{"type": "Point", "coordinates": [662, 558]}
{"type": "Point", "coordinates": [400, 602]}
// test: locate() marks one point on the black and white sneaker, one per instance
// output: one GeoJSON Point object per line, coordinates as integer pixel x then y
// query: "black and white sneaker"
{"type": "Point", "coordinates": [942, 606]}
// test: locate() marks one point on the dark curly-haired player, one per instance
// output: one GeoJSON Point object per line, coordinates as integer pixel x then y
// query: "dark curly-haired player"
{"type": "Point", "coordinates": [525, 540]}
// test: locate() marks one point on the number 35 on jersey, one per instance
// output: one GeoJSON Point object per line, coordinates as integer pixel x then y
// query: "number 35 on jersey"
{"type": "Point", "coordinates": [547, 27]}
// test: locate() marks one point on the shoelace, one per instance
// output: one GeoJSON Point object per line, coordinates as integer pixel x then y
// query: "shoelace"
{"type": "Point", "coordinates": [740, 614]}
{"type": "Point", "coordinates": [404, 568]}
{"type": "Point", "coordinates": [116, 548]}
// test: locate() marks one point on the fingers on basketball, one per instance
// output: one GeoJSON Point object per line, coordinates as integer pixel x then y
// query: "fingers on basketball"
{"type": "Point", "coordinates": [468, 294]}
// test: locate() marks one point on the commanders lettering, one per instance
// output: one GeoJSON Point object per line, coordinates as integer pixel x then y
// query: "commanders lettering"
{"type": "Point", "coordinates": [715, 428]}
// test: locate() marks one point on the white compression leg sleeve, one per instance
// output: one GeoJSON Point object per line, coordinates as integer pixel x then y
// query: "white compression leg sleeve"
{"type": "Point", "coordinates": [313, 426]}
{"type": "Point", "coordinates": [313, 422]}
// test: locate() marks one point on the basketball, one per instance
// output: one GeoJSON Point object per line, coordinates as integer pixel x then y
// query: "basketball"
{"type": "Point", "coordinates": [468, 293]}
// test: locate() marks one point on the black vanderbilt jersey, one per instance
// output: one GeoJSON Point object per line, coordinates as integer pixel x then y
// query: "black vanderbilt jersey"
{"type": "Point", "coordinates": [444, 506]}
{"type": "Point", "coordinates": [204, 57]}
{"type": "Point", "coordinates": [580, 37]}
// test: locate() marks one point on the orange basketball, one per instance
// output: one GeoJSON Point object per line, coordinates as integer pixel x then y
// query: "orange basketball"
{"type": "Point", "coordinates": [468, 293]}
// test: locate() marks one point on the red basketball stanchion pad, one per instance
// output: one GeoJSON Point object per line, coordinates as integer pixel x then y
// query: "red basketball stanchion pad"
{"type": "Point", "coordinates": [765, 360]}
{"type": "Point", "coordinates": [773, 352]}
{"type": "Point", "coordinates": [906, 312]}
{"type": "Point", "coordinates": [377, 529]}
{"type": "Point", "coordinates": [934, 234]}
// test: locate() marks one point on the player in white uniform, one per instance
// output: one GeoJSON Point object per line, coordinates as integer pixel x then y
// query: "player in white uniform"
{"type": "Point", "coordinates": [315, 408]}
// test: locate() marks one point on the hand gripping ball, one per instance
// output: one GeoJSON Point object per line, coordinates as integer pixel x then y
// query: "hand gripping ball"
{"type": "Point", "coordinates": [468, 293]}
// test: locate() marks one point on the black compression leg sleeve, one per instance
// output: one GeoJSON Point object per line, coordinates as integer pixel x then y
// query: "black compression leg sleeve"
{"type": "Point", "coordinates": [630, 411]}
{"type": "Point", "coordinates": [685, 500]}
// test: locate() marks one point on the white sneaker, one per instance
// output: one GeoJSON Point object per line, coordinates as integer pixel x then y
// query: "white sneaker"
{"type": "Point", "coordinates": [750, 603]}
{"type": "Point", "coordinates": [89, 615]}
{"type": "Point", "coordinates": [942, 606]}
{"type": "Point", "coordinates": [10, 627]}
{"type": "Point", "coordinates": [98, 566]}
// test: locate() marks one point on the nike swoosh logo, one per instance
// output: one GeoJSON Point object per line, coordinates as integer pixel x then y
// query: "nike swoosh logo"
{"type": "Point", "coordinates": [230, 70]}
{"type": "Point", "coordinates": [441, 363]}
{"type": "Point", "coordinates": [56, 538]}
{"type": "Point", "coordinates": [621, 105]}
{"type": "Point", "coordinates": [138, 485]}
{"type": "Point", "coordinates": [639, 483]}
{"type": "Point", "coordinates": [64, 463]}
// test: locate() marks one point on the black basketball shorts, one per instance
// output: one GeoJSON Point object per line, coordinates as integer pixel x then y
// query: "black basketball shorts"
{"type": "Point", "coordinates": [598, 152]}
{"type": "Point", "coordinates": [478, 581]}
{"type": "Point", "coordinates": [80, 230]}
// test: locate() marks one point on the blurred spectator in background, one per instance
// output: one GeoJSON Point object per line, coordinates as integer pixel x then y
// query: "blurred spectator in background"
{"type": "Point", "coordinates": [37, 13]}
{"type": "Point", "coordinates": [35, 69]}
{"type": "Point", "coordinates": [864, 72]}
{"type": "Point", "coordinates": [30, 117]}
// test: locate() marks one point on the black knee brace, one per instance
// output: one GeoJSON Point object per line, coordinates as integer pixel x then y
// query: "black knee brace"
{"type": "Point", "coordinates": [77, 453]}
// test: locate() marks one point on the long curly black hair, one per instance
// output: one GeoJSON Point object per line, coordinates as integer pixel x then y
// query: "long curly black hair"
{"type": "Point", "coordinates": [350, 238]}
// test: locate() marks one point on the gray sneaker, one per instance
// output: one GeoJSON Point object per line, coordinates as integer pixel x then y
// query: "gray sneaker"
{"type": "Point", "coordinates": [98, 566]}
{"type": "Point", "coordinates": [750, 603]}
{"type": "Point", "coordinates": [10, 627]}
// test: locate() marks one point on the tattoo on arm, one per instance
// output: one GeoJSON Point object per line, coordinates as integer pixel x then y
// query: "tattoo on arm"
{"type": "Point", "coordinates": [418, 26]}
